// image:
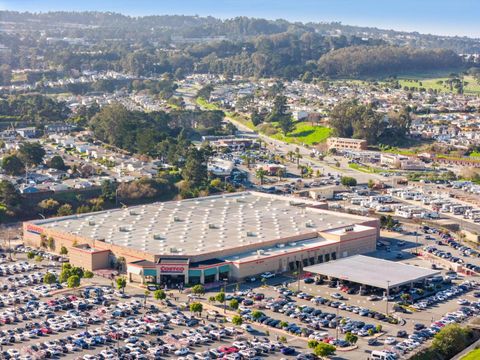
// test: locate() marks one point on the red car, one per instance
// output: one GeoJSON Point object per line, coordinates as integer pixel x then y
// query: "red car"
{"type": "Point", "coordinates": [228, 349]}
{"type": "Point", "coordinates": [45, 330]}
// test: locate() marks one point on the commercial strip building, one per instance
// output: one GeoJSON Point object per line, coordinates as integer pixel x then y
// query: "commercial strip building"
{"type": "Point", "coordinates": [370, 271]}
{"type": "Point", "coordinates": [204, 240]}
{"type": "Point", "coordinates": [346, 144]}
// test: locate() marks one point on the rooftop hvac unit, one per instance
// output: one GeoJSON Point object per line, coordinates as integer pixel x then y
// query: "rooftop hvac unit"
{"type": "Point", "coordinates": [91, 223]}
{"type": "Point", "coordinates": [260, 252]}
{"type": "Point", "coordinates": [212, 226]}
{"type": "Point", "coordinates": [251, 234]}
{"type": "Point", "coordinates": [349, 228]}
{"type": "Point", "coordinates": [134, 213]}
{"type": "Point", "coordinates": [292, 244]}
{"type": "Point", "coordinates": [280, 246]}
{"type": "Point", "coordinates": [124, 229]}
{"type": "Point", "coordinates": [158, 237]}
{"type": "Point", "coordinates": [173, 250]}
{"type": "Point", "coordinates": [176, 219]}
{"type": "Point", "coordinates": [309, 224]}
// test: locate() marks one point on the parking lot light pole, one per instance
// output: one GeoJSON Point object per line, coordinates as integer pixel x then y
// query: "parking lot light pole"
{"type": "Point", "coordinates": [225, 280]}
{"type": "Point", "coordinates": [388, 294]}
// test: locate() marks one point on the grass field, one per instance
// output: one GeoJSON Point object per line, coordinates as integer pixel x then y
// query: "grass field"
{"type": "Point", "coordinates": [365, 169]}
{"type": "Point", "coordinates": [472, 355]}
{"type": "Point", "coordinates": [439, 83]}
{"type": "Point", "coordinates": [305, 133]}
{"type": "Point", "coordinates": [475, 154]}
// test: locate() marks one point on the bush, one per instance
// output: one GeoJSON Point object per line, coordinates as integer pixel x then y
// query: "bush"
{"type": "Point", "coordinates": [198, 289]}
{"type": "Point", "coordinates": [324, 349]}
{"type": "Point", "coordinates": [237, 320]}
{"type": "Point", "coordinates": [348, 181]}
{"type": "Point", "coordinates": [87, 274]}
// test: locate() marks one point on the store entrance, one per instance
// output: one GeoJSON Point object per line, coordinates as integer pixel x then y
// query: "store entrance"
{"type": "Point", "coordinates": [172, 280]}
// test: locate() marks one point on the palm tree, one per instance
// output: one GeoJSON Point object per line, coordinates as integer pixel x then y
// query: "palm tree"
{"type": "Point", "coordinates": [260, 174]}
{"type": "Point", "coordinates": [290, 155]}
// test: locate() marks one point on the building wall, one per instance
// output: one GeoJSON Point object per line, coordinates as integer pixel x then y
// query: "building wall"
{"type": "Point", "coordinates": [353, 243]}
{"type": "Point", "coordinates": [346, 144]}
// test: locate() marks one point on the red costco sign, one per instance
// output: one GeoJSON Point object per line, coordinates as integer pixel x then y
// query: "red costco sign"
{"type": "Point", "coordinates": [34, 229]}
{"type": "Point", "coordinates": [172, 269]}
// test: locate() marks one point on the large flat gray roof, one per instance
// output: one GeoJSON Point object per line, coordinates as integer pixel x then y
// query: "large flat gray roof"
{"type": "Point", "coordinates": [372, 271]}
{"type": "Point", "coordinates": [203, 225]}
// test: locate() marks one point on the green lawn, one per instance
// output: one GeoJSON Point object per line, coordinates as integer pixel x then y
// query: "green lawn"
{"type": "Point", "coordinates": [475, 154]}
{"type": "Point", "coordinates": [305, 133]}
{"type": "Point", "coordinates": [365, 169]}
{"type": "Point", "coordinates": [439, 83]}
{"type": "Point", "coordinates": [472, 355]}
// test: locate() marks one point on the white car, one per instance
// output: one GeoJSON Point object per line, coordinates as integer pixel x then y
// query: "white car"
{"type": "Point", "coordinates": [182, 351]}
{"type": "Point", "coordinates": [267, 275]}
{"type": "Point", "coordinates": [390, 340]}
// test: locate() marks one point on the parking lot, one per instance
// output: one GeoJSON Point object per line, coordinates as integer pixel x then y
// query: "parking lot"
{"type": "Point", "coordinates": [105, 324]}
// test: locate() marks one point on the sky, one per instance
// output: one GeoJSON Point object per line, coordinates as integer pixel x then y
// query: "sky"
{"type": "Point", "coordinates": [444, 17]}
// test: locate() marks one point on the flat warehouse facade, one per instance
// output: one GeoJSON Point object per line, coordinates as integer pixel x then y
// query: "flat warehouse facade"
{"type": "Point", "coordinates": [207, 240]}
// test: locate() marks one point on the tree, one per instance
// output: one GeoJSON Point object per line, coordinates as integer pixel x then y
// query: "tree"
{"type": "Point", "coordinates": [56, 162]}
{"type": "Point", "coordinates": [63, 250]}
{"type": "Point", "coordinates": [378, 328]}
{"type": "Point", "coordinates": [371, 184]}
{"type": "Point", "coordinates": [73, 281]}
{"type": "Point", "coordinates": [51, 243]}
{"type": "Point", "coordinates": [451, 339]}
{"type": "Point", "coordinates": [220, 297]}
{"type": "Point", "coordinates": [75, 270]}
{"type": "Point", "coordinates": [30, 255]}
{"type": "Point", "coordinates": [286, 124]}
{"type": "Point", "coordinates": [312, 344]}
{"type": "Point", "coordinates": [31, 153]}
{"type": "Point", "coordinates": [49, 278]}
{"type": "Point", "coordinates": [38, 258]}
{"type": "Point", "coordinates": [260, 175]}
{"type": "Point", "coordinates": [65, 210]}
{"type": "Point", "coordinates": [195, 170]}
{"type": "Point", "coordinates": [159, 295]}
{"type": "Point", "coordinates": [109, 189]}
{"type": "Point", "coordinates": [121, 283]}
{"type": "Point", "coordinates": [324, 349]}
{"type": "Point", "coordinates": [237, 320]}
{"type": "Point", "coordinates": [87, 274]}
{"type": "Point", "coordinates": [64, 275]}
{"type": "Point", "coordinates": [233, 304]}
{"type": "Point", "coordinates": [348, 181]}
{"type": "Point", "coordinates": [49, 206]}
{"type": "Point", "coordinates": [281, 172]}
{"type": "Point", "coordinates": [351, 338]}
{"type": "Point", "coordinates": [196, 307]}
{"type": "Point", "coordinates": [256, 314]}
{"type": "Point", "coordinates": [12, 165]}
{"type": "Point", "coordinates": [256, 118]}
{"type": "Point", "coordinates": [198, 289]}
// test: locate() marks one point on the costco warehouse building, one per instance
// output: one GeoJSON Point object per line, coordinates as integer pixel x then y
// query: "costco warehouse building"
{"type": "Point", "coordinates": [209, 239]}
